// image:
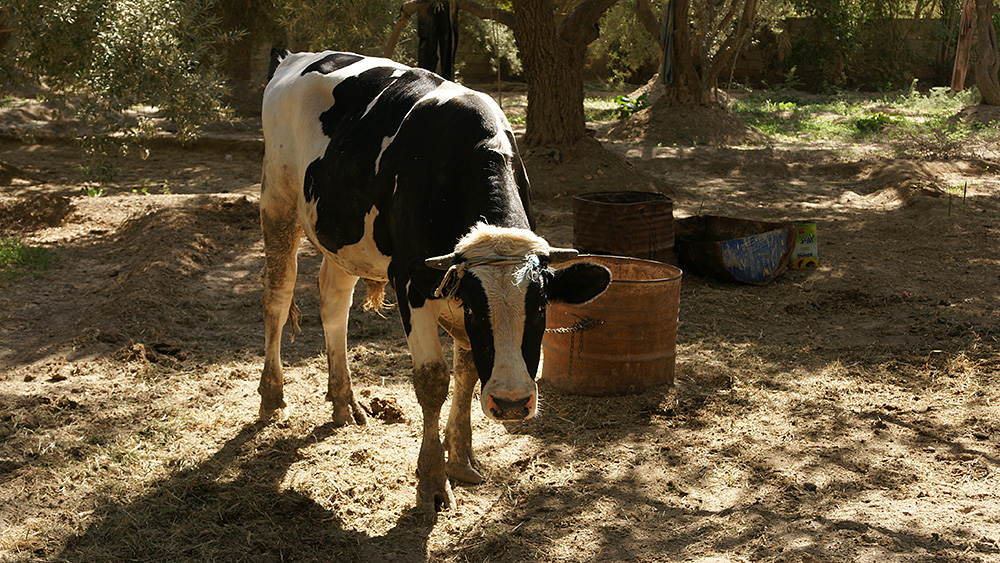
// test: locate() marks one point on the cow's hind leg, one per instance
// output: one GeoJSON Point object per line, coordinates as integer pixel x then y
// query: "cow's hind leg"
{"type": "Point", "coordinates": [462, 463]}
{"type": "Point", "coordinates": [336, 292]}
{"type": "Point", "coordinates": [282, 235]}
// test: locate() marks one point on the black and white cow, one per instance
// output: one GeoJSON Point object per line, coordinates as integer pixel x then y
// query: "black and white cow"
{"type": "Point", "coordinates": [399, 176]}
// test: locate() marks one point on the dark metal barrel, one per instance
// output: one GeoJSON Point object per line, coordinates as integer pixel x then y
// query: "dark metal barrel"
{"type": "Point", "coordinates": [638, 224]}
{"type": "Point", "coordinates": [623, 342]}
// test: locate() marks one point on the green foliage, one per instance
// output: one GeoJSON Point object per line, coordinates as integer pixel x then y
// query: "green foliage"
{"type": "Point", "coordinates": [600, 108]}
{"type": "Point", "coordinates": [627, 48]}
{"type": "Point", "coordinates": [105, 57]}
{"type": "Point", "coordinates": [496, 40]}
{"type": "Point", "coordinates": [863, 43]}
{"type": "Point", "coordinates": [873, 122]}
{"type": "Point", "coordinates": [911, 124]}
{"type": "Point", "coordinates": [627, 106]}
{"type": "Point", "coordinates": [18, 259]}
{"type": "Point", "coordinates": [361, 26]}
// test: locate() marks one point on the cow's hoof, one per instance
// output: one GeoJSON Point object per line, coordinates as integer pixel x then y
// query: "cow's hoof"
{"type": "Point", "coordinates": [463, 472]}
{"type": "Point", "coordinates": [273, 414]}
{"type": "Point", "coordinates": [432, 498]}
{"type": "Point", "coordinates": [273, 410]}
{"type": "Point", "coordinates": [354, 413]}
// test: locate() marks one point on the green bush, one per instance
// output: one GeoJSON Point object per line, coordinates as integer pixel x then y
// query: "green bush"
{"type": "Point", "coordinates": [104, 57]}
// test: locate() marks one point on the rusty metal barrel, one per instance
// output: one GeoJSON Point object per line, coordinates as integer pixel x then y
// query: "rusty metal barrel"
{"type": "Point", "coordinates": [638, 224]}
{"type": "Point", "coordinates": [622, 342]}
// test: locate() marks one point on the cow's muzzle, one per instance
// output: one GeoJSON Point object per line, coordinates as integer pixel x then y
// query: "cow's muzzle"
{"type": "Point", "coordinates": [517, 409]}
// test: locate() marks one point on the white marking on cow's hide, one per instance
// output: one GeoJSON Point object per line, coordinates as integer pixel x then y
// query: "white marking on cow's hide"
{"type": "Point", "coordinates": [294, 102]}
{"type": "Point", "coordinates": [510, 375]}
{"type": "Point", "coordinates": [363, 258]}
{"type": "Point", "coordinates": [425, 346]}
{"type": "Point", "coordinates": [386, 141]}
{"type": "Point", "coordinates": [444, 93]}
{"type": "Point", "coordinates": [375, 100]}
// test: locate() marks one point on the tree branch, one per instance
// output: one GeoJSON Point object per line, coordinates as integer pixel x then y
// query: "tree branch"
{"type": "Point", "coordinates": [406, 11]}
{"type": "Point", "coordinates": [728, 48]}
{"type": "Point", "coordinates": [498, 15]}
{"type": "Point", "coordinates": [580, 26]}
{"type": "Point", "coordinates": [644, 13]}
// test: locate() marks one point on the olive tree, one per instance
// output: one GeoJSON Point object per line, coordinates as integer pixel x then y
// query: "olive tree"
{"type": "Point", "coordinates": [107, 56]}
{"type": "Point", "coordinates": [701, 38]}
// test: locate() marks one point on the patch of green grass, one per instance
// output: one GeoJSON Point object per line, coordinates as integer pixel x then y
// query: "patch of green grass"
{"type": "Point", "coordinates": [911, 122]}
{"type": "Point", "coordinates": [600, 109]}
{"type": "Point", "coordinates": [786, 115]}
{"type": "Point", "coordinates": [18, 259]}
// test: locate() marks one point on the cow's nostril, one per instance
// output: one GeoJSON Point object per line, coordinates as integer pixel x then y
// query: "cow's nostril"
{"type": "Point", "coordinates": [510, 410]}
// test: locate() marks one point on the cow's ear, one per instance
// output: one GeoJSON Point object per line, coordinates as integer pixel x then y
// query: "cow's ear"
{"type": "Point", "coordinates": [577, 283]}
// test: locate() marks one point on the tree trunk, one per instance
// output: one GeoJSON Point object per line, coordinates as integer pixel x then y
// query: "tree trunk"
{"type": "Point", "coordinates": [553, 69]}
{"type": "Point", "coordinates": [684, 87]}
{"type": "Point", "coordinates": [966, 27]}
{"type": "Point", "coordinates": [989, 55]}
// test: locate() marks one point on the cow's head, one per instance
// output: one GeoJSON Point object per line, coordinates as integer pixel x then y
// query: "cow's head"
{"type": "Point", "coordinates": [504, 278]}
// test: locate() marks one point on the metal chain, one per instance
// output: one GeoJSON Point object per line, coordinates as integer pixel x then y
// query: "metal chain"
{"type": "Point", "coordinates": [584, 324]}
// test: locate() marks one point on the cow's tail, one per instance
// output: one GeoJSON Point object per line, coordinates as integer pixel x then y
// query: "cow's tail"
{"type": "Point", "coordinates": [293, 318]}
{"type": "Point", "coordinates": [277, 55]}
{"type": "Point", "coordinates": [375, 297]}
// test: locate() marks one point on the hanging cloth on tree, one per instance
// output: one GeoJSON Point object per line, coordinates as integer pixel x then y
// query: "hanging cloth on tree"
{"type": "Point", "coordinates": [667, 42]}
{"type": "Point", "coordinates": [438, 31]}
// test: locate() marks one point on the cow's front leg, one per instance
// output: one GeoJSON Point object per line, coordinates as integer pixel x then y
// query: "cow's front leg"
{"type": "Point", "coordinates": [430, 381]}
{"type": "Point", "coordinates": [458, 434]}
{"type": "Point", "coordinates": [336, 293]}
{"type": "Point", "coordinates": [282, 235]}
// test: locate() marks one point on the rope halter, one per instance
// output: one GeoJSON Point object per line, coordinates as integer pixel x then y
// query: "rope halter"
{"type": "Point", "coordinates": [531, 267]}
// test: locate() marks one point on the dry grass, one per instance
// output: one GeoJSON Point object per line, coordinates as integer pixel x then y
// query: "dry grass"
{"type": "Point", "coordinates": [847, 413]}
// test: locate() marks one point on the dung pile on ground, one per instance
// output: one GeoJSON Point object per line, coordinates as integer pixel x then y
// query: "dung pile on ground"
{"type": "Point", "coordinates": [585, 166]}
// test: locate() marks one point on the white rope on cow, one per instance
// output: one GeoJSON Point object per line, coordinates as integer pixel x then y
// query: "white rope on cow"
{"type": "Point", "coordinates": [530, 268]}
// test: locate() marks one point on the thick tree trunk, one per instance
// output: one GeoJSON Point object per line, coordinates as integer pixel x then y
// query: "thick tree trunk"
{"type": "Point", "coordinates": [553, 68]}
{"type": "Point", "coordinates": [988, 64]}
{"type": "Point", "coordinates": [553, 56]}
{"type": "Point", "coordinates": [684, 87]}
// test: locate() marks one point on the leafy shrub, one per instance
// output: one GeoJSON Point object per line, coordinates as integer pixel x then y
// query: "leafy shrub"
{"type": "Point", "coordinates": [627, 106]}
{"type": "Point", "coordinates": [107, 56]}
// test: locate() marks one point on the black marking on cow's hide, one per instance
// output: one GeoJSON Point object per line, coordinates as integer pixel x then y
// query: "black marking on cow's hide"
{"type": "Point", "coordinates": [534, 326]}
{"type": "Point", "coordinates": [478, 326]}
{"type": "Point", "coordinates": [332, 62]}
{"type": "Point", "coordinates": [343, 181]}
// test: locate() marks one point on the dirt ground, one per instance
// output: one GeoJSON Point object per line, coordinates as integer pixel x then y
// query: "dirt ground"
{"type": "Point", "coordinates": [846, 413]}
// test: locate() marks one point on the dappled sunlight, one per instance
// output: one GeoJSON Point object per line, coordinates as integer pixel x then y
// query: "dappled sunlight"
{"type": "Point", "coordinates": [843, 413]}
